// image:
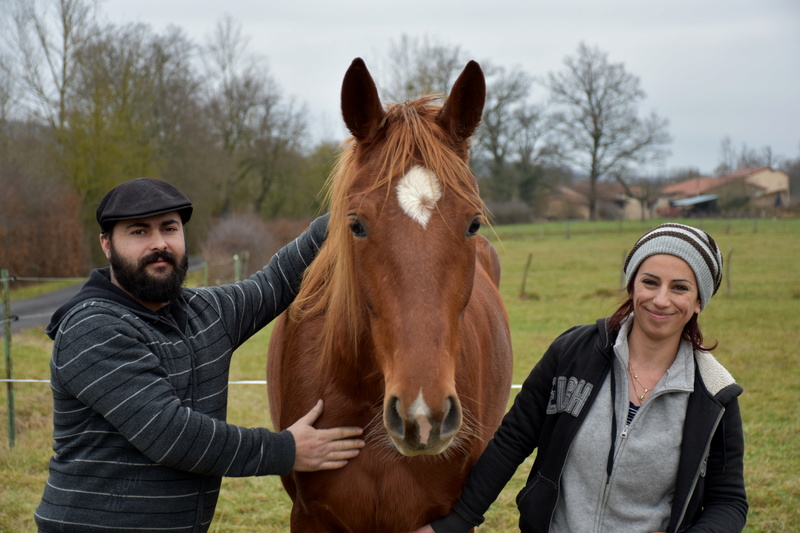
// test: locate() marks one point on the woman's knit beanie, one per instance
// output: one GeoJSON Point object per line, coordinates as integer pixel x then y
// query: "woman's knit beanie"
{"type": "Point", "coordinates": [694, 246]}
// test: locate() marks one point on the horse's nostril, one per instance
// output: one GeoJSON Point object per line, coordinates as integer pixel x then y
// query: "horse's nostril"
{"type": "Point", "coordinates": [452, 416]}
{"type": "Point", "coordinates": [392, 418]}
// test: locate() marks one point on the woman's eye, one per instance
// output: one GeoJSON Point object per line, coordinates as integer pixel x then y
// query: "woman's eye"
{"type": "Point", "coordinates": [474, 227]}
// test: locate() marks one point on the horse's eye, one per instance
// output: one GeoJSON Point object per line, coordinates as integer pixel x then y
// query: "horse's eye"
{"type": "Point", "coordinates": [357, 228]}
{"type": "Point", "coordinates": [474, 227]}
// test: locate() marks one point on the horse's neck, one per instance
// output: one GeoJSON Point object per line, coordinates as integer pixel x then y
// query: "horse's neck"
{"type": "Point", "coordinates": [347, 362]}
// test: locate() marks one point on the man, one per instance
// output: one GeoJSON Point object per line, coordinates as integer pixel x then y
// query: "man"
{"type": "Point", "coordinates": [139, 375]}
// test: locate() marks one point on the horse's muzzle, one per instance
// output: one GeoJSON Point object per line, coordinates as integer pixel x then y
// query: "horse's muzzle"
{"type": "Point", "coordinates": [418, 429]}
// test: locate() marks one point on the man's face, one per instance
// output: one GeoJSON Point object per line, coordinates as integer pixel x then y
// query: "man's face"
{"type": "Point", "coordinates": [148, 258]}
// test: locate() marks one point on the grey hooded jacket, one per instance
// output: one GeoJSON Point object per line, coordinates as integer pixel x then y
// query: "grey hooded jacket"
{"type": "Point", "coordinates": [709, 493]}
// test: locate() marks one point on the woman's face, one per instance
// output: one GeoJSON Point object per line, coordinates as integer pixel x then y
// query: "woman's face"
{"type": "Point", "coordinates": [665, 297]}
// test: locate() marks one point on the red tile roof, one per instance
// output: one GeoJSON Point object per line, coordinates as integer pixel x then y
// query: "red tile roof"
{"type": "Point", "coordinates": [702, 184]}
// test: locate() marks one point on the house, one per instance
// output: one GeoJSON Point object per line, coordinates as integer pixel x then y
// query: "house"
{"type": "Point", "coordinates": [565, 203]}
{"type": "Point", "coordinates": [746, 191]}
{"type": "Point", "coordinates": [572, 202]}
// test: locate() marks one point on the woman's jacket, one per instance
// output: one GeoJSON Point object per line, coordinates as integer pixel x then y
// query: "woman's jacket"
{"type": "Point", "coordinates": [548, 412]}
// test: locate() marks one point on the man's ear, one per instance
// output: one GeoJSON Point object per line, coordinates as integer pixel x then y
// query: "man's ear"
{"type": "Point", "coordinates": [105, 244]}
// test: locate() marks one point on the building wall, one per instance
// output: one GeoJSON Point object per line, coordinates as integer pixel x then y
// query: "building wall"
{"type": "Point", "coordinates": [559, 208]}
{"type": "Point", "coordinates": [771, 182]}
{"type": "Point", "coordinates": [633, 209]}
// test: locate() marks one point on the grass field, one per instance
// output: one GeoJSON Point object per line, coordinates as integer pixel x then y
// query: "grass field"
{"type": "Point", "coordinates": [574, 278]}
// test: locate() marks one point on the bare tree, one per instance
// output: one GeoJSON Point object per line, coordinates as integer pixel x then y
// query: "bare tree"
{"type": "Point", "coordinates": [732, 159]}
{"type": "Point", "coordinates": [237, 87]}
{"type": "Point", "coordinates": [500, 127]}
{"type": "Point", "coordinates": [418, 67]}
{"type": "Point", "coordinates": [175, 85]}
{"type": "Point", "coordinates": [727, 157]}
{"type": "Point", "coordinates": [513, 138]}
{"type": "Point", "coordinates": [260, 133]}
{"type": "Point", "coordinates": [645, 190]}
{"type": "Point", "coordinates": [7, 95]}
{"type": "Point", "coordinates": [274, 156]}
{"type": "Point", "coordinates": [599, 121]}
{"type": "Point", "coordinates": [45, 36]}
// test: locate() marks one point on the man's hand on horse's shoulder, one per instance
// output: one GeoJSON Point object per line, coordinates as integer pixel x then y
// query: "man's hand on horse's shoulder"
{"type": "Point", "coordinates": [323, 449]}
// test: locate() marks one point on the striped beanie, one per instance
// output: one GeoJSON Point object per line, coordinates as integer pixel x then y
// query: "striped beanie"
{"type": "Point", "coordinates": [694, 246]}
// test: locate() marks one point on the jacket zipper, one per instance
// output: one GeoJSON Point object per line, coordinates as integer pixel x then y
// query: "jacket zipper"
{"type": "Point", "coordinates": [604, 497]}
{"type": "Point", "coordinates": [558, 482]}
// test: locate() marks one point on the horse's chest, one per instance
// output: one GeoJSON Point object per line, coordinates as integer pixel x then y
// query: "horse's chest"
{"type": "Point", "coordinates": [384, 491]}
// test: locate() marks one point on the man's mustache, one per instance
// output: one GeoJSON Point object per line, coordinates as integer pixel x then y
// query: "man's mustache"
{"type": "Point", "coordinates": [157, 256]}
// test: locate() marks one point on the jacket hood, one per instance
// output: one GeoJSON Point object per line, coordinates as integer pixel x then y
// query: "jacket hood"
{"type": "Point", "coordinates": [716, 378]}
{"type": "Point", "coordinates": [97, 287]}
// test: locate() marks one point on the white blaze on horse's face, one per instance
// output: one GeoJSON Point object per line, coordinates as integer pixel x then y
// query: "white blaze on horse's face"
{"type": "Point", "coordinates": [421, 413]}
{"type": "Point", "coordinates": [417, 192]}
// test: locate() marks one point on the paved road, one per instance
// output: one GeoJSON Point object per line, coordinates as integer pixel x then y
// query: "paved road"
{"type": "Point", "coordinates": [36, 312]}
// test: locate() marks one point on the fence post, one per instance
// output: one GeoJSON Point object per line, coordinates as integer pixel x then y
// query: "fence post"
{"type": "Point", "coordinates": [728, 273]}
{"type": "Point", "coordinates": [7, 344]}
{"type": "Point", "coordinates": [522, 294]}
{"type": "Point", "coordinates": [237, 267]}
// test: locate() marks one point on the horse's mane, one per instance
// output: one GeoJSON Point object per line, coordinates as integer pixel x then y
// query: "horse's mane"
{"type": "Point", "coordinates": [408, 135]}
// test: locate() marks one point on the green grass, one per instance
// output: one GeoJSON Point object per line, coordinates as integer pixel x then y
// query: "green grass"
{"type": "Point", "coordinates": [573, 278]}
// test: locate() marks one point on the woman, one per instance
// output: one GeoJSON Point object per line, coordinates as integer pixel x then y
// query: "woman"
{"type": "Point", "coordinates": [636, 425]}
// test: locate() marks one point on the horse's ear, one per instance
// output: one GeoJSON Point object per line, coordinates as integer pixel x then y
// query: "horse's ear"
{"type": "Point", "coordinates": [462, 111]}
{"type": "Point", "coordinates": [361, 106]}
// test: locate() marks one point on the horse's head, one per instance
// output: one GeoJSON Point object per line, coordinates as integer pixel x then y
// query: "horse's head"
{"type": "Point", "coordinates": [397, 269]}
{"type": "Point", "coordinates": [405, 211]}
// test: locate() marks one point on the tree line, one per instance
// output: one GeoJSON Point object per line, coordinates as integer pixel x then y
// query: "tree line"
{"type": "Point", "coordinates": [85, 105]}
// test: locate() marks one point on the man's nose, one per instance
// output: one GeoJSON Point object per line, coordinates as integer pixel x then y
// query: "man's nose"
{"type": "Point", "coordinates": [158, 242]}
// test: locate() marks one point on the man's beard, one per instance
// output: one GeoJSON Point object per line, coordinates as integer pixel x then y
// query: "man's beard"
{"type": "Point", "coordinates": [135, 279]}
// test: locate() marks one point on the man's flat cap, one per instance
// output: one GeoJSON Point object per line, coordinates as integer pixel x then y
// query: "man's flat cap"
{"type": "Point", "coordinates": [141, 198]}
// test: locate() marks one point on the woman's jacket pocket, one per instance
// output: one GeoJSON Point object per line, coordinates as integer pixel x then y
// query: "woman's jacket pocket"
{"type": "Point", "coordinates": [536, 503]}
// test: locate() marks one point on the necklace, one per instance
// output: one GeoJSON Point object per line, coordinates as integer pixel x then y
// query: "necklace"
{"type": "Point", "coordinates": [636, 380]}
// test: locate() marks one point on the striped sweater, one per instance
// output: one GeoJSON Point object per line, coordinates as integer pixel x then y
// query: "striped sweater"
{"type": "Point", "coordinates": [140, 400]}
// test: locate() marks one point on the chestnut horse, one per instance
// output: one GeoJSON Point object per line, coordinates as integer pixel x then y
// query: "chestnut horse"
{"type": "Point", "coordinates": [398, 326]}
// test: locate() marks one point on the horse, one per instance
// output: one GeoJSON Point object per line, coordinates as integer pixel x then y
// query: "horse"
{"type": "Point", "coordinates": [398, 324]}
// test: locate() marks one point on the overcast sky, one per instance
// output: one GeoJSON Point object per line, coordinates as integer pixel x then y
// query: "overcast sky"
{"type": "Point", "coordinates": [713, 68]}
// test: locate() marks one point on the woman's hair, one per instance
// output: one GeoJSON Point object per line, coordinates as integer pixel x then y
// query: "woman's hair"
{"type": "Point", "coordinates": [691, 331]}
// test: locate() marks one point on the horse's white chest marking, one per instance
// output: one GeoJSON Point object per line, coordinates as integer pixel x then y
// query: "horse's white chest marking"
{"type": "Point", "coordinates": [417, 192]}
